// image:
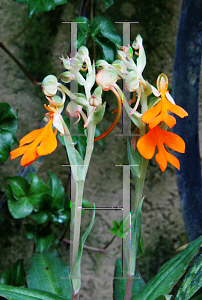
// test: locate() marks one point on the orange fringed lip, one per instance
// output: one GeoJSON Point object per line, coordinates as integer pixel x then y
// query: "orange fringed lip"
{"type": "Point", "coordinates": [36, 143]}
{"type": "Point", "coordinates": [159, 113]}
{"type": "Point", "coordinates": [157, 137]}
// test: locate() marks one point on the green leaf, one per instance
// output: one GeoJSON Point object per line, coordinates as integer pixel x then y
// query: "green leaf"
{"type": "Point", "coordinates": [30, 230]}
{"type": "Point", "coordinates": [16, 293]}
{"type": "Point", "coordinates": [117, 228]}
{"type": "Point", "coordinates": [8, 127]}
{"type": "Point", "coordinates": [83, 30]}
{"type": "Point", "coordinates": [107, 50]}
{"type": "Point", "coordinates": [57, 191]}
{"type": "Point", "coordinates": [75, 160]}
{"type": "Point", "coordinates": [135, 160]}
{"type": "Point", "coordinates": [104, 33]}
{"type": "Point", "coordinates": [19, 185]}
{"type": "Point", "coordinates": [75, 272]}
{"type": "Point", "coordinates": [61, 139]}
{"type": "Point", "coordinates": [47, 272]}
{"type": "Point", "coordinates": [98, 115]}
{"type": "Point", "coordinates": [18, 208]}
{"type": "Point", "coordinates": [134, 248]}
{"type": "Point", "coordinates": [82, 139]}
{"type": "Point", "coordinates": [41, 5]}
{"type": "Point", "coordinates": [37, 189]}
{"type": "Point", "coordinates": [119, 283]}
{"type": "Point", "coordinates": [41, 216]}
{"type": "Point", "coordinates": [23, 196]}
{"type": "Point", "coordinates": [169, 273]}
{"type": "Point", "coordinates": [192, 282]}
{"type": "Point", "coordinates": [15, 276]}
{"type": "Point", "coordinates": [104, 26]}
{"type": "Point", "coordinates": [199, 297]}
{"type": "Point", "coordinates": [85, 203]}
{"type": "Point", "coordinates": [60, 216]}
{"type": "Point", "coordinates": [165, 297]}
{"type": "Point", "coordinates": [79, 140]}
{"type": "Point", "coordinates": [43, 239]}
{"type": "Point", "coordinates": [107, 3]}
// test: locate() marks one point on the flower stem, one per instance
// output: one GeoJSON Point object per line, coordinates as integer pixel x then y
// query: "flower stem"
{"type": "Point", "coordinates": [76, 296]}
{"type": "Point", "coordinates": [129, 286]}
{"type": "Point", "coordinates": [76, 214]}
{"type": "Point", "coordinates": [90, 145]}
{"type": "Point", "coordinates": [140, 182]}
{"type": "Point", "coordinates": [77, 205]}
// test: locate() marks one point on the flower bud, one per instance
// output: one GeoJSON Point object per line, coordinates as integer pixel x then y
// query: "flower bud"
{"type": "Point", "coordinates": [84, 53]}
{"type": "Point", "coordinates": [137, 42]}
{"type": "Point", "coordinates": [121, 55]}
{"type": "Point", "coordinates": [73, 109]}
{"type": "Point", "coordinates": [132, 82]}
{"type": "Point", "coordinates": [101, 64]}
{"type": "Point", "coordinates": [119, 64]}
{"type": "Point", "coordinates": [96, 99]}
{"type": "Point", "coordinates": [76, 63]}
{"type": "Point", "coordinates": [67, 77]}
{"type": "Point", "coordinates": [65, 62]}
{"type": "Point", "coordinates": [81, 99]}
{"type": "Point", "coordinates": [106, 78]}
{"type": "Point", "coordinates": [49, 85]}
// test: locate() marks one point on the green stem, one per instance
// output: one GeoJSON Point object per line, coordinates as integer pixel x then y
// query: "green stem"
{"type": "Point", "coordinates": [110, 242]}
{"type": "Point", "coordinates": [76, 217]}
{"type": "Point", "coordinates": [76, 207]}
{"type": "Point", "coordinates": [90, 145]}
{"type": "Point", "coordinates": [140, 182]}
{"type": "Point", "coordinates": [19, 33]}
{"type": "Point", "coordinates": [125, 103]}
{"type": "Point", "coordinates": [143, 170]}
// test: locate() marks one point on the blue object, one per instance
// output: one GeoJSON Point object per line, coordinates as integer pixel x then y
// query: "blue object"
{"type": "Point", "coordinates": [186, 83]}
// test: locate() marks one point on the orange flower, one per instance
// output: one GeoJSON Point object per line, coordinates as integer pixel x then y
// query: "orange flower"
{"type": "Point", "coordinates": [158, 137]}
{"type": "Point", "coordinates": [159, 112]}
{"type": "Point", "coordinates": [36, 143]}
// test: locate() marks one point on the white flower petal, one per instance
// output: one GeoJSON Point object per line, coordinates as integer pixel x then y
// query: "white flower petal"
{"type": "Point", "coordinates": [155, 91]}
{"type": "Point", "coordinates": [57, 123]}
{"type": "Point", "coordinates": [170, 98]}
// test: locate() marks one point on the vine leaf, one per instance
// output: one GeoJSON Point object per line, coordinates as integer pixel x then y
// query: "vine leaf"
{"type": "Point", "coordinates": [8, 127]}
{"type": "Point", "coordinates": [41, 5]}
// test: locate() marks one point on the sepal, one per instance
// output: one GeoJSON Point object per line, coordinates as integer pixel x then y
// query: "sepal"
{"type": "Point", "coordinates": [49, 85]}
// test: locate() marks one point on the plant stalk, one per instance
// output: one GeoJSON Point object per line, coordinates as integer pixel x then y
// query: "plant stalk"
{"type": "Point", "coordinates": [76, 296]}
{"type": "Point", "coordinates": [129, 286]}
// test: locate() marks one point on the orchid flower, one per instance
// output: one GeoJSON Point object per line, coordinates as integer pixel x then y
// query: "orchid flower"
{"type": "Point", "coordinates": [134, 81]}
{"type": "Point", "coordinates": [157, 137]}
{"type": "Point", "coordinates": [159, 112]}
{"type": "Point", "coordinates": [37, 143]}
{"type": "Point", "coordinates": [107, 78]}
{"type": "Point", "coordinates": [42, 141]}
